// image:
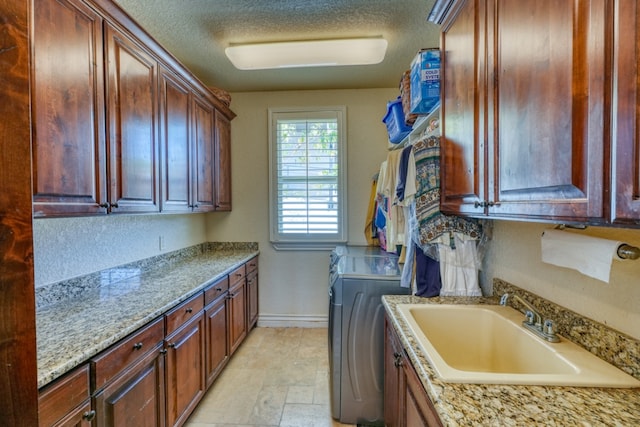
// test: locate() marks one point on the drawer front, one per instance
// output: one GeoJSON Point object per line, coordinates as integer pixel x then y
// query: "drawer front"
{"type": "Point", "coordinates": [63, 395]}
{"type": "Point", "coordinates": [184, 312]}
{"type": "Point", "coordinates": [237, 275]}
{"type": "Point", "coordinates": [112, 361]}
{"type": "Point", "coordinates": [252, 265]}
{"type": "Point", "coordinates": [215, 290]}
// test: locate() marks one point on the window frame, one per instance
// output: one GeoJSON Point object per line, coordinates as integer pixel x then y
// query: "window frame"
{"type": "Point", "coordinates": [306, 241]}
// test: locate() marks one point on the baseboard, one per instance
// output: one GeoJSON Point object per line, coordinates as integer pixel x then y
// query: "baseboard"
{"type": "Point", "coordinates": [292, 321]}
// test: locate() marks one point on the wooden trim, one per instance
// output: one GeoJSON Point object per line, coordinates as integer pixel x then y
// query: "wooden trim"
{"type": "Point", "coordinates": [18, 370]}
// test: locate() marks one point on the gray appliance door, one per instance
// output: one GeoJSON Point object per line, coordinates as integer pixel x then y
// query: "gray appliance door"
{"type": "Point", "coordinates": [335, 348]}
{"type": "Point", "coordinates": [361, 387]}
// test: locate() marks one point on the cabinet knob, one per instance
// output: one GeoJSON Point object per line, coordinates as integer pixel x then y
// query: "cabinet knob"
{"type": "Point", "coordinates": [137, 346]}
{"type": "Point", "coordinates": [189, 310]}
{"type": "Point", "coordinates": [89, 415]}
{"type": "Point", "coordinates": [172, 345]}
{"type": "Point", "coordinates": [163, 351]}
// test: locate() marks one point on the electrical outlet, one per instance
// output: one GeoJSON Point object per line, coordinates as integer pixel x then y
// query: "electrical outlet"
{"type": "Point", "coordinates": [161, 244]}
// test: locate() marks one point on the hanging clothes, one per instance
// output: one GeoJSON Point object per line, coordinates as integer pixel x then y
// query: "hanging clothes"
{"type": "Point", "coordinates": [370, 230]}
{"type": "Point", "coordinates": [458, 265]}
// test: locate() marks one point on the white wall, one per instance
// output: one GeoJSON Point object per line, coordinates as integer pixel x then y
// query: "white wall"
{"type": "Point", "coordinates": [293, 285]}
{"type": "Point", "coordinates": [69, 247]}
{"type": "Point", "coordinates": [515, 256]}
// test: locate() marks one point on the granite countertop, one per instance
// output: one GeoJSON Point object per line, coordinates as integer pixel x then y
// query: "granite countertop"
{"type": "Point", "coordinates": [511, 405]}
{"type": "Point", "coordinates": [118, 301]}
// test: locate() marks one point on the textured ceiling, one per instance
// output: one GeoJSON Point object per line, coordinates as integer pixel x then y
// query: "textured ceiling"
{"type": "Point", "coordinates": [198, 31]}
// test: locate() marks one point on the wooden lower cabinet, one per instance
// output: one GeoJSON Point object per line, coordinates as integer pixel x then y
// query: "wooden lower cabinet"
{"type": "Point", "coordinates": [406, 403]}
{"type": "Point", "coordinates": [185, 361]}
{"type": "Point", "coordinates": [237, 308]}
{"type": "Point", "coordinates": [252, 293]}
{"type": "Point", "coordinates": [217, 338]}
{"type": "Point", "coordinates": [135, 398]}
{"type": "Point", "coordinates": [128, 380]}
{"type": "Point", "coordinates": [66, 402]}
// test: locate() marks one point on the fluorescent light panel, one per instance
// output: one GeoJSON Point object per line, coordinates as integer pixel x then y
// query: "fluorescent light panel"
{"type": "Point", "coordinates": [317, 53]}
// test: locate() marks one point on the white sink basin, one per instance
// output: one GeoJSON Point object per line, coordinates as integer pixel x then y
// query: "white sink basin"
{"type": "Point", "coordinates": [487, 344]}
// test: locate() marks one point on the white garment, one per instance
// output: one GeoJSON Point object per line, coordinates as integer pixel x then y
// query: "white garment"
{"type": "Point", "coordinates": [459, 266]}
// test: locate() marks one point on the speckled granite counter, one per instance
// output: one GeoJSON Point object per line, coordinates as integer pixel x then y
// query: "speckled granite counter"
{"type": "Point", "coordinates": [506, 405]}
{"type": "Point", "coordinates": [77, 319]}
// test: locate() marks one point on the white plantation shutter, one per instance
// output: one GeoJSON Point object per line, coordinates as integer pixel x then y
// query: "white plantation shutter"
{"type": "Point", "coordinates": [307, 178]}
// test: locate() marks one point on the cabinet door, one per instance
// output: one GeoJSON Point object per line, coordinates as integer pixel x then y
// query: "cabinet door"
{"type": "Point", "coordinates": [222, 163]}
{"type": "Point", "coordinates": [546, 108]}
{"type": "Point", "coordinates": [217, 343]}
{"type": "Point", "coordinates": [185, 368]}
{"type": "Point", "coordinates": [252, 298]}
{"type": "Point", "coordinates": [131, 115]}
{"type": "Point", "coordinates": [625, 176]}
{"type": "Point", "coordinates": [237, 314]}
{"type": "Point", "coordinates": [463, 146]}
{"type": "Point", "coordinates": [175, 144]}
{"type": "Point", "coordinates": [69, 167]}
{"type": "Point", "coordinates": [203, 140]}
{"type": "Point", "coordinates": [135, 398]}
{"type": "Point", "coordinates": [393, 378]}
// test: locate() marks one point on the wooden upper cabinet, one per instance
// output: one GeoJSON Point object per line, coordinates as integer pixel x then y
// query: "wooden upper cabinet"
{"type": "Point", "coordinates": [546, 108]}
{"type": "Point", "coordinates": [69, 172]}
{"type": "Point", "coordinates": [131, 116]}
{"type": "Point", "coordinates": [625, 152]}
{"type": "Point", "coordinates": [222, 177]}
{"type": "Point", "coordinates": [463, 144]}
{"type": "Point", "coordinates": [523, 109]}
{"type": "Point", "coordinates": [175, 142]}
{"type": "Point", "coordinates": [203, 140]}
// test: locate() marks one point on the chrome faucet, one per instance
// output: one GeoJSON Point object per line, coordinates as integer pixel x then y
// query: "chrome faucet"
{"type": "Point", "coordinates": [533, 320]}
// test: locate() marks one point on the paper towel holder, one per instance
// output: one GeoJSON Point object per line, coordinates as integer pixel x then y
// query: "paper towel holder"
{"type": "Point", "coordinates": [626, 251]}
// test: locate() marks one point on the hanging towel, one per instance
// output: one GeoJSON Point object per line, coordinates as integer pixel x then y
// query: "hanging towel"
{"type": "Point", "coordinates": [458, 266]}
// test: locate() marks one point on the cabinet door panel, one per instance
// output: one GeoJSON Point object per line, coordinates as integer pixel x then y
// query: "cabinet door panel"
{"type": "Point", "coordinates": [136, 398]}
{"type": "Point", "coordinates": [175, 144]}
{"type": "Point", "coordinates": [69, 168]}
{"type": "Point", "coordinates": [625, 176]}
{"type": "Point", "coordinates": [217, 346]}
{"type": "Point", "coordinates": [132, 122]}
{"type": "Point", "coordinates": [238, 314]}
{"type": "Point", "coordinates": [546, 109]}
{"type": "Point", "coordinates": [203, 122]}
{"type": "Point", "coordinates": [463, 143]}
{"type": "Point", "coordinates": [185, 370]}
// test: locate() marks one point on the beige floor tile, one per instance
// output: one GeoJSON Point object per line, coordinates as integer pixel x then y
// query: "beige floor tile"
{"type": "Point", "coordinates": [278, 377]}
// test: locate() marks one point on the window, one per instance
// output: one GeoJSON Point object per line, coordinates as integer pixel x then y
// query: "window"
{"type": "Point", "coordinates": [307, 186]}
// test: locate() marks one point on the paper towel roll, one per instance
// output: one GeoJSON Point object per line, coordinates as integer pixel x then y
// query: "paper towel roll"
{"type": "Point", "coordinates": [591, 256]}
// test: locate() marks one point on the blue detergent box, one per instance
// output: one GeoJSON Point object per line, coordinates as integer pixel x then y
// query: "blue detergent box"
{"type": "Point", "coordinates": [425, 81]}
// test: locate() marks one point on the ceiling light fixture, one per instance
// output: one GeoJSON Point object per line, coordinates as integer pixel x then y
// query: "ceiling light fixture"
{"type": "Point", "coordinates": [315, 53]}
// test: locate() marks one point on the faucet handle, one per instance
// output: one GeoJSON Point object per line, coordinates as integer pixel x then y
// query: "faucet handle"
{"type": "Point", "coordinates": [530, 317]}
{"type": "Point", "coordinates": [549, 327]}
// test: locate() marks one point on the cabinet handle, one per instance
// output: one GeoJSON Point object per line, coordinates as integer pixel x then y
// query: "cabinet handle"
{"type": "Point", "coordinates": [163, 351]}
{"type": "Point", "coordinates": [89, 415]}
{"type": "Point", "coordinates": [104, 205]}
{"type": "Point", "coordinates": [172, 345]}
{"type": "Point", "coordinates": [196, 206]}
{"type": "Point", "coordinates": [137, 346]}
{"type": "Point", "coordinates": [482, 204]}
{"type": "Point", "coordinates": [189, 310]}
{"type": "Point", "coordinates": [114, 205]}
{"type": "Point", "coordinates": [238, 274]}
{"type": "Point", "coordinates": [218, 289]}
{"type": "Point", "coordinates": [490, 204]}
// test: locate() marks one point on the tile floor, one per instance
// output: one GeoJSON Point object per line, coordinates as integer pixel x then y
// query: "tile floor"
{"type": "Point", "coordinates": [278, 377]}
